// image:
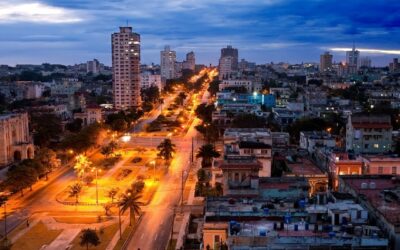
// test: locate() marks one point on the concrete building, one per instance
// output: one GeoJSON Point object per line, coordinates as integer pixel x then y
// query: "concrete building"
{"type": "Point", "coordinates": [369, 133]}
{"type": "Point", "coordinates": [248, 85]}
{"type": "Point", "coordinates": [353, 57]}
{"type": "Point", "coordinates": [168, 61]}
{"type": "Point", "coordinates": [15, 140]}
{"type": "Point", "coordinates": [190, 62]}
{"type": "Point", "coordinates": [91, 114]}
{"type": "Point", "coordinates": [381, 165]}
{"type": "Point", "coordinates": [365, 62]}
{"type": "Point", "coordinates": [228, 62]}
{"type": "Point", "coordinates": [310, 140]}
{"type": "Point", "coordinates": [250, 142]}
{"type": "Point", "coordinates": [126, 69]}
{"type": "Point", "coordinates": [341, 163]}
{"type": "Point", "coordinates": [380, 194]}
{"type": "Point", "coordinates": [148, 79]}
{"type": "Point", "coordinates": [93, 67]}
{"type": "Point", "coordinates": [325, 62]}
{"type": "Point", "coordinates": [395, 65]}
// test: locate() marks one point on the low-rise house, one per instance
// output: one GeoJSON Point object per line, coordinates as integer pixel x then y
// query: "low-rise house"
{"type": "Point", "coordinates": [310, 140]}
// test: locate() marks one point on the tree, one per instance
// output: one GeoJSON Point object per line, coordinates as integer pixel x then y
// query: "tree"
{"type": "Point", "coordinates": [213, 88]}
{"type": "Point", "coordinates": [207, 152]}
{"type": "Point", "coordinates": [112, 193]}
{"type": "Point", "coordinates": [75, 126]}
{"type": "Point", "coordinates": [46, 127]}
{"type": "Point", "coordinates": [249, 121]}
{"type": "Point", "coordinates": [89, 237]}
{"type": "Point", "coordinates": [119, 125]}
{"type": "Point", "coordinates": [209, 131]}
{"type": "Point", "coordinates": [131, 201]}
{"type": "Point", "coordinates": [82, 165]}
{"type": "Point", "coordinates": [107, 208]}
{"type": "Point", "coordinates": [151, 94]}
{"type": "Point", "coordinates": [48, 159]}
{"type": "Point", "coordinates": [204, 112]}
{"type": "Point", "coordinates": [106, 151]}
{"type": "Point", "coordinates": [20, 177]}
{"type": "Point", "coordinates": [75, 190]}
{"type": "Point", "coordinates": [166, 149]}
{"type": "Point", "coordinates": [138, 186]}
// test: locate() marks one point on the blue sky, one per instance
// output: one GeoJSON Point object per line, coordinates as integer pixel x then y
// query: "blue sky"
{"type": "Point", "coordinates": [74, 31]}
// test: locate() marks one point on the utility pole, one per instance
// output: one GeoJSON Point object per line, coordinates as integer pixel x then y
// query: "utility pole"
{"type": "Point", "coordinates": [182, 192]}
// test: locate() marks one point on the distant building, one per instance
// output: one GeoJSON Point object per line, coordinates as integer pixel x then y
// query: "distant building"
{"type": "Point", "coordinates": [325, 62]}
{"type": "Point", "coordinates": [168, 60]}
{"type": "Point", "coordinates": [353, 57]}
{"type": "Point", "coordinates": [381, 165]}
{"type": "Point", "coordinates": [368, 133]}
{"type": "Point", "coordinates": [93, 67]}
{"type": "Point", "coordinates": [228, 62]}
{"type": "Point", "coordinates": [190, 62]}
{"type": "Point", "coordinates": [91, 114]}
{"type": "Point", "coordinates": [147, 80]}
{"type": "Point", "coordinates": [341, 163]}
{"type": "Point", "coordinates": [365, 62]}
{"type": "Point", "coordinates": [395, 65]}
{"type": "Point", "coordinates": [126, 69]}
{"type": "Point", "coordinates": [15, 141]}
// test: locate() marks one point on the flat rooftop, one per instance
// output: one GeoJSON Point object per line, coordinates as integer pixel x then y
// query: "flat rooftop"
{"type": "Point", "coordinates": [383, 194]}
{"type": "Point", "coordinates": [302, 167]}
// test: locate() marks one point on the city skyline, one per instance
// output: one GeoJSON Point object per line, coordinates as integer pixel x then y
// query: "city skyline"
{"type": "Point", "coordinates": [68, 32]}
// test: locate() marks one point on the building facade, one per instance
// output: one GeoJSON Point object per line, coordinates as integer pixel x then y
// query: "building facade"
{"type": "Point", "coordinates": [126, 68]}
{"type": "Point", "coordinates": [168, 60]}
{"type": "Point", "coordinates": [147, 80]}
{"type": "Point", "coordinates": [369, 133]}
{"type": "Point", "coordinates": [15, 140]}
{"type": "Point", "coordinates": [325, 62]}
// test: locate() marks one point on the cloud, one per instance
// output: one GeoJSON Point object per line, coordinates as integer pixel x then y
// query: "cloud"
{"type": "Point", "coordinates": [372, 51]}
{"type": "Point", "coordinates": [36, 12]}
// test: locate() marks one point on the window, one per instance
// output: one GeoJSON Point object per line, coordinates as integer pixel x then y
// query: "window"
{"type": "Point", "coordinates": [380, 170]}
{"type": "Point", "coordinates": [217, 239]}
{"type": "Point", "coordinates": [366, 146]}
{"type": "Point", "coordinates": [394, 170]}
{"type": "Point", "coordinates": [376, 145]}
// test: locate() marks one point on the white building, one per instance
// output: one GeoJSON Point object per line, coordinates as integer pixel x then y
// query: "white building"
{"type": "Point", "coordinates": [126, 68]}
{"type": "Point", "coordinates": [248, 85]}
{"type": "Point", "coordinates": [251, 142]}
{"type": "Point", "coordinates": [148, 80]}
{"type": "Point", "coordinates": [91, 114]}
{"type": "Point", "coordinates": [310, 140]}
{"type": "Point", "coordinates": [168, 60]}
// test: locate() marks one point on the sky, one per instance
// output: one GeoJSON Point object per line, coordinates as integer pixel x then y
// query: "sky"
{"type": "Point", "coordinates": [294, 31]}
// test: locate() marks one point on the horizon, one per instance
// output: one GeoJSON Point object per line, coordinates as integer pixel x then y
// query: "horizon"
{"type": "Point", "coordinates": [71, 32]}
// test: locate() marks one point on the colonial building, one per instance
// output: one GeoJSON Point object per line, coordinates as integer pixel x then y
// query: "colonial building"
{"type": "Point", "coordinates": [15, 140]}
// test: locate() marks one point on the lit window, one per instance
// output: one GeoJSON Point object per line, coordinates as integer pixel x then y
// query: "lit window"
{"type": "Point", "coordinates": [376, 145]}
{"type": "Point", "coordinates": [394, 170]}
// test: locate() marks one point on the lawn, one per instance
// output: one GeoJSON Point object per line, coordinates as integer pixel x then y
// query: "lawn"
{"type": "Point", "coordinates": [31, 241]}
{"type": "Point", "coordinates": [105, 238]}
{"type": "Point", "coordinates": [80, 219]}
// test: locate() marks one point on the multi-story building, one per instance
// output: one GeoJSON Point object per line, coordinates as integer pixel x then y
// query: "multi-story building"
{"type": "Point", "coordinates": [168, 61]}
{"type": "Point", "coordinates": [15, 140]}
{"type": "Point", "coordinates": [310, 140]}
{"type": "Point", "coordinates": [240, 84]}
{"type": "Point", "coordinates": [325, 62]}
{"type": "Point", "coordinates": [381, 165]}
{"type": "Point", "coordinates": [353, 57]}
{"type": "Point", "coordinates": [251, 142]}
{"type": "Point", "coordinates": [91, 114]}
{"type": "Point", "coordinates": [395, 65]}
{"type": "Point", "coordinates": [148, 79]}
{"type": "Point", "coordinates": [369, 133]}
{"type": "Point", "coordinates": [365, 62]}
{"type": "Point", "coordinates": [228, 62]}
{"type": "Point", "coordinates": [126, 69]}
{"type": "Point", "coordinates": [190, 62]}
{"type": "Point", "coordinates": [93, 67]}
{"type": "Point", "coordinates": [342, 163]}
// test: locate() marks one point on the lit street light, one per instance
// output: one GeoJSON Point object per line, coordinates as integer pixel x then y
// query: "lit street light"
{"type": "Point", "coordinates": [97, 188]}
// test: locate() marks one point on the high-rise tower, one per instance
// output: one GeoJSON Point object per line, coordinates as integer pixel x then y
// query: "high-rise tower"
{"type": "Point", "coordinates": [126, 68]}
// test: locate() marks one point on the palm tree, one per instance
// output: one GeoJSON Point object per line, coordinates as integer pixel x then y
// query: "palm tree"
{"type": "Point", "coordinates": [106, 151]}
{"type": "Point", "coordinates": [75, 190]}
{"type": "Point", "coordinates": [112, 193]}
{"type": "Point", "coordinates": [207, 152]}
{"type": "Point", "coordinates": [166, 149]}
{"type": "Point", "coordinates": [89, 237]}
{"type": "Point", "coordinates": [131, 201]}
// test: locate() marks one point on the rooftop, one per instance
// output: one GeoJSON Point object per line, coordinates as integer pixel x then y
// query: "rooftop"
{"type": "Point", "coordinates": [382, 192]}
{"type": "Point", "coordinates": [302, 167]}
